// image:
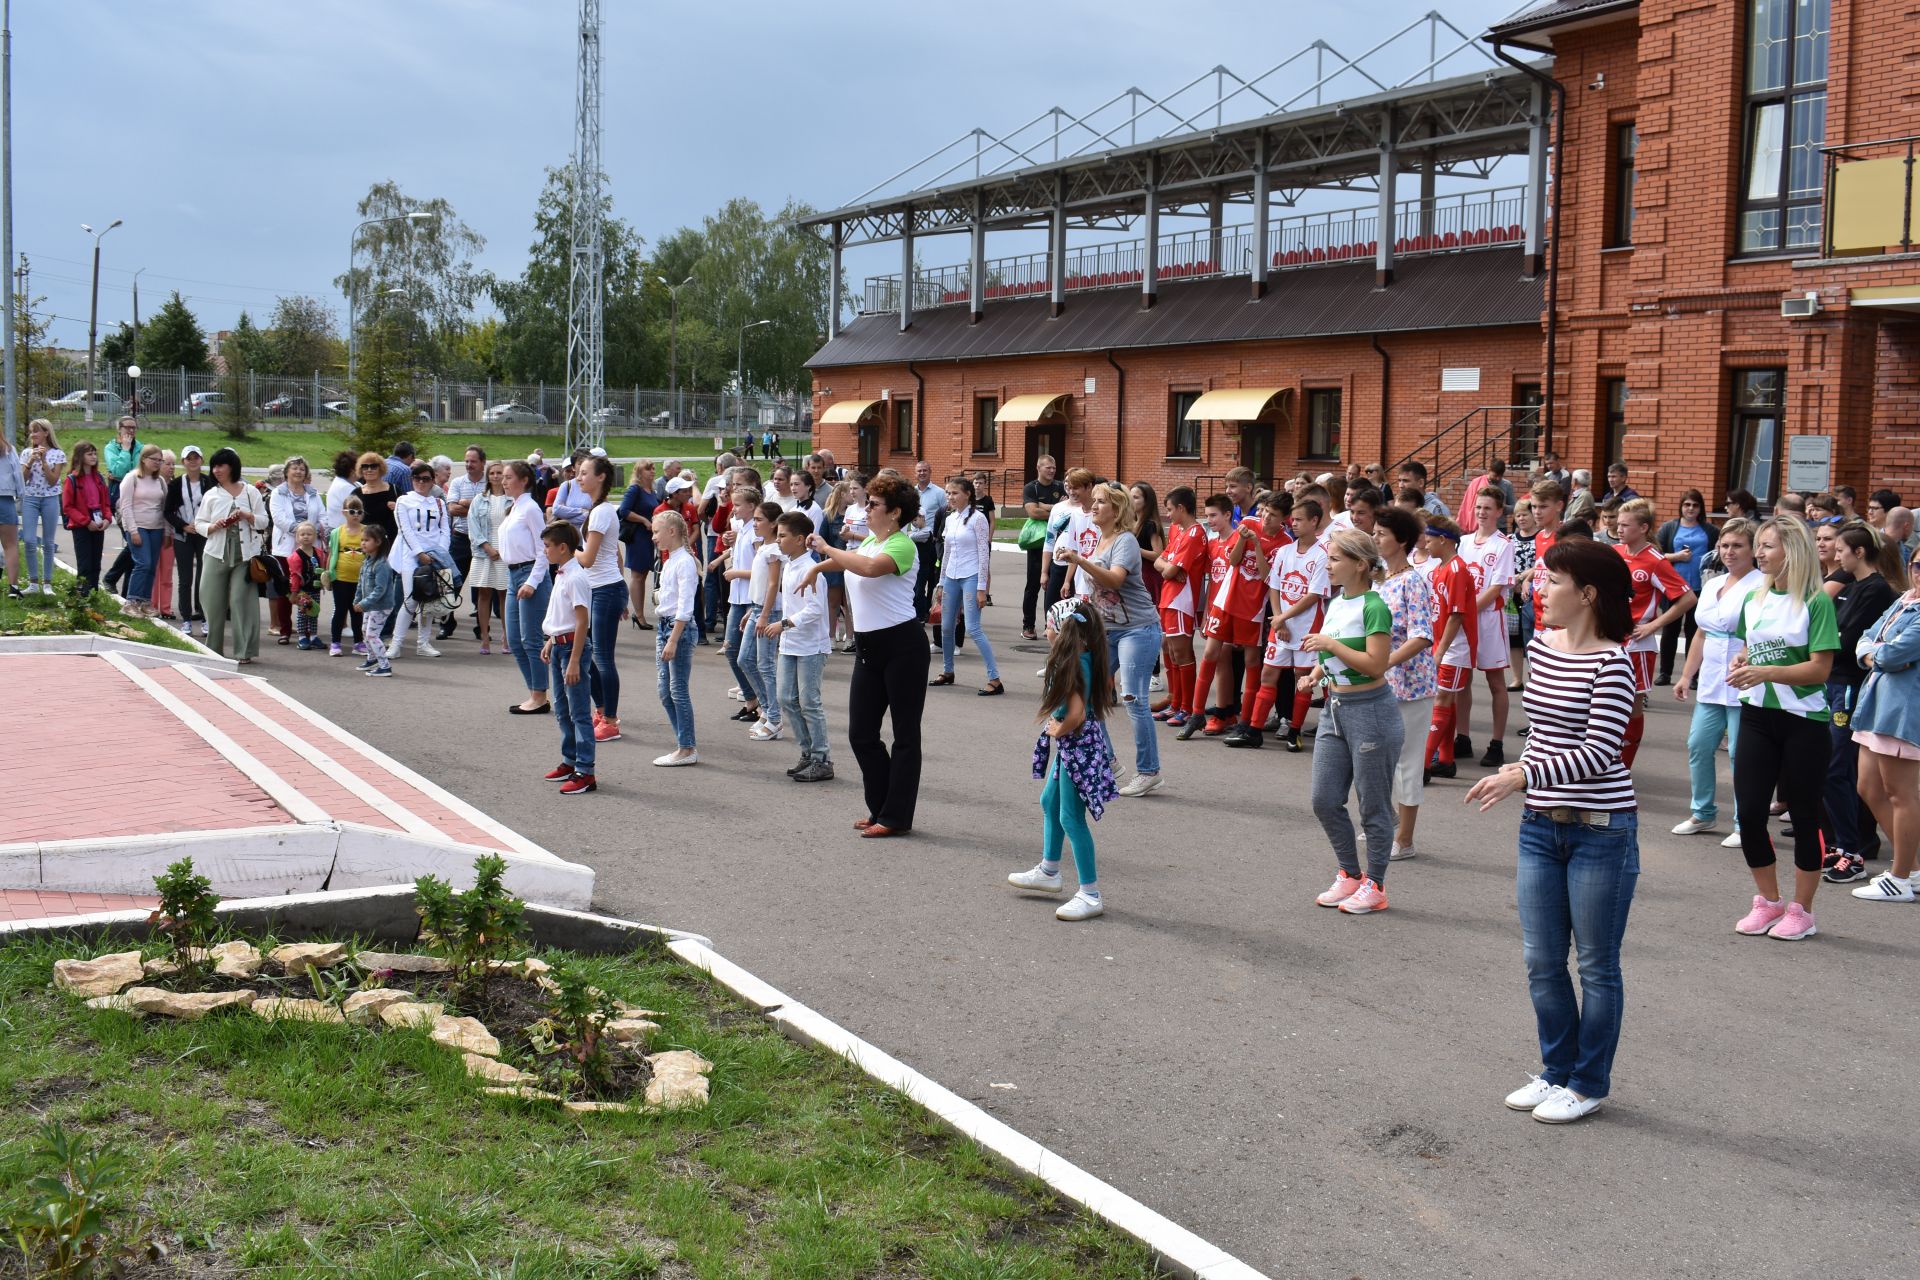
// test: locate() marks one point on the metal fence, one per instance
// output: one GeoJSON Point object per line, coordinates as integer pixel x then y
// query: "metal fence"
{"type": "Point", "coordinates": [320, 398]}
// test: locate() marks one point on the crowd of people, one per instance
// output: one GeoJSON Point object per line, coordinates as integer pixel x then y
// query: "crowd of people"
{"type": "Point", "coordinates": [1231, 615]}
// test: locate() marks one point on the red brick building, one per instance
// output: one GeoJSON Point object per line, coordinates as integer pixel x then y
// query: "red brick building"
{"type": "Point", "coordinates": [1725, 232]}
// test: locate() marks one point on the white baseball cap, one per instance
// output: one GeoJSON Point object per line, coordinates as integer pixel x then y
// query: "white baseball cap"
{"type": "Point", "coordinates": [597, 452]}
{"type": "Point", "coordinates": [678, 483]}
{"type": "Point", "coordinates": [191, 451]}
{"type": "Point", "coordinates": [534, 458]}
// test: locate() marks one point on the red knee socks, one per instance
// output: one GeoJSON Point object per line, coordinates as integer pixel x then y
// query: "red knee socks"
{"type": "Point", "coordinates": [1263, 705]}
{"type": "Point", "coordinates": [1250, 694]}
{"type": "Point", "coordinates": [1440, 735]}
{"type": "Point", "coordinates": [1635, 727]}
{"type": "Point", "coordinates": [1302, 699]}
{"type": "Point", "coordinates": [1203, 686]}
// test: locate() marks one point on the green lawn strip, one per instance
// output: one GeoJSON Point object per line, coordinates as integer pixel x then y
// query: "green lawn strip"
{"type": "Point", "coordinates": [266, 447]}
{"type": "Point", "coordinates": [322, 1151]}
{"type": "Point", "coordinates": [38, 615]}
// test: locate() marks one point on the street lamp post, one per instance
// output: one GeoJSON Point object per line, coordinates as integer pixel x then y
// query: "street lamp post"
{"type": "Point", "coordinates": [673, 348]}
{"type": "Point", "coordinates": [93, 309]}
{"type": "Point", "coordinates": [133, 391]}
{"type": "Point", "coordinates": [353, 293]}
{"type": "Point", "coordinates": [740, 375]}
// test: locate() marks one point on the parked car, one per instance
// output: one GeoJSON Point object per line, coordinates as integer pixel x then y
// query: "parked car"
{"type": "Point", "coordinates": [336, 409]}
{"type": "Point", "coordinates": [612, 417]}
{"type": "Point", "coordinates": [288, 406]}
{"type": "Point", "coordinates": [513, 412]}
{"type": "Point", "coordinates": [105, 403]}
{"type": "Point", "coordinates": [205, 404]}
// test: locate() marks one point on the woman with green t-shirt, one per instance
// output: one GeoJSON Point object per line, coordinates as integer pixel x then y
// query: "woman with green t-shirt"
{"type": "Point", "coordinates": [891, 656]}
{"type": "Point", "coordinates": [1360, 731]}
{"type": "Point", "coordinates": [1790, 635]}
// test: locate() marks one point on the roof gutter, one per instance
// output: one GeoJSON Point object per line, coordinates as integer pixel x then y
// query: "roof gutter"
{"type": "Point", "coordinates": [1386, 389]}
{"type": "Point", "coordinates": [919, 408]}
{"type": "Point", "coordinates": [1559, 93]}
{"type": "Point", "coordinates": [1119, 416]}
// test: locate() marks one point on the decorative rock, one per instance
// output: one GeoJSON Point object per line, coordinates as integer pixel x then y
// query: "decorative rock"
{"type": "Point", "coordinates": [679, 1079]}
{"type": "Point", "coordinates": [163, 966]}
{"type": "Point", "coordinates": [407, 1013]}
{"type": "Point", "coordinates": [365, 1006]}
{"type": "Point", "coordinates": [635, 1011]}
{"type": "Point", "coordinates": [400, 962]}
{"type": "Point", "coordinates": [114, 1002]}
{"type": "Point", "coordinates": [98, 977]}
{"type": "Point", "coordinates": [597, 1106]}
{"type": "Point", "coordinates": [498, 1072]}
{"type": "Point", "coordinates": [236, 960]}
{"type": "Point", "coordinates": [523, 1093]}
{"type": "Point", "coordinates": [526, 967]}
{"type": "Point", "coordinates": [630, 1030]}
{"type": "Point", "coordinates": [469, 1035]}
{"type": "Point", "coordinates": [189, 1006]}
{"type": "Point", "coordinates": [294, 957]}
{"type": "Point", "coordinates": [278, 1009]}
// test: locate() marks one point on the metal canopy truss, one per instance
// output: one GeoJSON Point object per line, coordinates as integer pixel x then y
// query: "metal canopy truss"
{"type": "Point", "coordinates": [586, 353]}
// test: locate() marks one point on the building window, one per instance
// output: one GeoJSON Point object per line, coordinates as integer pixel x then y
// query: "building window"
{"type": "Point", "coordinates": [903, 426]}
{"type": "Point", "coordinates": [986, 432]}
{"type": "Point", "coordinates": [1614, 393]}
{"type": "Point", "coordinates": [1783, 174]}
{"type": "Point", "coordinates": [1759, 421]}
{"type": "Point", "coordinates": [1323, 423]}
{"type": "Point", "coordinates": [1183, 437]}
{"type": "Point", "coordinates": [1626, 142]}
{"type": "Point", "coordinates": [1523, 434]}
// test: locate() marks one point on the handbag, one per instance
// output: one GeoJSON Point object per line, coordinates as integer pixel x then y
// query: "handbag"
{"type": "Point", "coordinates": [1033, 535]}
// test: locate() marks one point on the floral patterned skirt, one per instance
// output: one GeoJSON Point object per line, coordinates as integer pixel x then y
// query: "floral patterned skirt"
{"type": "Point", "coordinates": [1087, 757]}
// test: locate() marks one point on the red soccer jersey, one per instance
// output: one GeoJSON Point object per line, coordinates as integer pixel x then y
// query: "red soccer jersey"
{"type": "Point", "coordinates": [1245, 592]}
{"type": "Point", "coordinates": [1653, 578]}
{"type": "Point", "coordinates": [1454, 593]}
{"type": "Point", "coordinates": [1542, 543]}
{"type": "Point", "coordinates": [1186, 548]}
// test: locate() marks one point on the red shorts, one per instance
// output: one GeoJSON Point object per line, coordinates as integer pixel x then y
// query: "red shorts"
{"type": "Point", "coordinates": [1642, 660]}
{"type": "Point", "coordinates": [1454, 679]}
{"type": "Point", "coordinates": [1242, 633]}
{"type": "Point", "coordinates": [1175, 623]}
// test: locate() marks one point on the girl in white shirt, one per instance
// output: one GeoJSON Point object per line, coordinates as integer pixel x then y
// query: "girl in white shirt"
{"type": "Point", "coordinates": [1716, 705]}
{"type": "Point", "coordinates": [528, 582]}
{"type": "Point", "coordinates": [673, 652]}
{"type": "Point", "coordinates": [758, 656]}
{"type": "Point", "coordinates": [738, 573]}
{"type": "Point", "coordinates": [966, 574]}
{"type": "Point", "coordinates": [600, 558]}
{"type": "Point", "coordinates": [422, 546]}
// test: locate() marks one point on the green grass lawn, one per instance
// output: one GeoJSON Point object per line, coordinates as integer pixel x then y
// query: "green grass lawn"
{"type": "Point", "coordinates": [305, 1150]}
{"type": "Point", "coordinates": [266, 446]}
{"type": "Point", "coordinates": [38, 615]}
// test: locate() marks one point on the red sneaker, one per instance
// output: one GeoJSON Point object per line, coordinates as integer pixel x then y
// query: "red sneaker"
{"type": "Point", "coordinates": [578, 785]}
{"type": "Point", "coordinates": [607, 730]}
{"type": "Point", "coordinates": [1216, 726]}
{"type": "Point", "coordinates": [560, 774]}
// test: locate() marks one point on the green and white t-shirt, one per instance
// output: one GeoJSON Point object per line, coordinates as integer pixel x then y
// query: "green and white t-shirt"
{"type": "Point", "coordinates": [879, 603]}
{"type": "Point", "coordinates": [1782, 632]}
{"type": "Point", "coordinates": [1350, 620]}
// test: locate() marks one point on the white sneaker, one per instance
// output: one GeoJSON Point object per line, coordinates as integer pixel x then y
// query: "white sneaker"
{"type": "Point", "coordinates": [1694, 826]}
{"type": "Point", "coordinates": [1140, 784]}
{"type": "Point", "coordinates": [1400, 852]}
{"type": "Point", "coordinates": [46, 588]}
{"type": "Point", "coordinates": [1079, 907]}
{"type": "Point", "coordinates": [1037, 880]}
{"type": "Point", "coordinates": [1042, 673]}
{"type": "Point", "coordinates": [1564, 1106]}
{"type": "Point", "coordinates": [1731, 842]}
{"type": "Point", "coordinates": [1531, 1094]}
{"type": "Point", "coordinates": [426, 650]}
{"type": "Point", "coordinates": [674, 760]}
{"type": "Point", "coordinates": [1157, 685]}
{"type": "Point", "coordinates": [766, 731]}
{"type": "Point", "coordinates": [1886, 887]}
{"type": "Point", "coordinates": [735, 694]}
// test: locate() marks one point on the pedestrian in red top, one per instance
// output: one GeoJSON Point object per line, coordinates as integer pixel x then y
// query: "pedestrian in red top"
{"type": "Point", "coordinates": [1182, 567]}
{"type": "Point", "coordinates": [1456, 624]}
{"type": "Point", "coordinates": [1654, 580]}
{"type": "Point", "coordinates": [1549, 509]}
{"type": "Point", "coordinates": [1238, 572]}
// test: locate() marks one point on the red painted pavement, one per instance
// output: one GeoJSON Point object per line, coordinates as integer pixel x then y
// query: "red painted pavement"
{"type": "Point", "coordinates": [32, 904]}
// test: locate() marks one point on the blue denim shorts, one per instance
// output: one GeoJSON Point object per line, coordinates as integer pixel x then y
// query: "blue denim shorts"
{"type": "Point", "coordinates": [9, 511]}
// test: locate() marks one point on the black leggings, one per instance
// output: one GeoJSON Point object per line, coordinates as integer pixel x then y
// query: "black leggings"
{"type": "Point", "coordinates": [889, 675]}
{"type": "Point", "coordinates": [343, 610]}
{"type": "Point", "coordinates": [1790, 750]}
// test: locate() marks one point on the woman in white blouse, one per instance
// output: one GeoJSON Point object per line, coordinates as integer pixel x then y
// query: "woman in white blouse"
{"type": "Point", "coordinates": [528, 585]}
{"type": "Point", "coordinates": [966, 572]}
{"type": "Point", "coordinates": [672, 652]}
{"type": "Point", "coordinates": [487, 569]}
{"type": "Point", "coordinates": [294, 502]}
{"type": "Point", "coordinates": [231, 518]}
{"type": "Point", "coordinates": [1716, 704]}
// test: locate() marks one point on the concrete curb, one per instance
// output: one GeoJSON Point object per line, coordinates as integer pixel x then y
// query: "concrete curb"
{"type": "Point", "coordinates": [137, 651]}
{"type": "Point", "coordinates": [220, 663]}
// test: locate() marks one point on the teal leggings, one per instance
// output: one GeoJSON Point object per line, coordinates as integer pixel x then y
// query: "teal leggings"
{"type": "Point", "coordinates": [1065, 814]}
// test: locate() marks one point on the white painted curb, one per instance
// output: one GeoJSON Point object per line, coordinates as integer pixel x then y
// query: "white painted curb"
{"type": "Point", "coordinates": [1179, 1249]}
{"type": "Point", "coordinates": [138, 651]}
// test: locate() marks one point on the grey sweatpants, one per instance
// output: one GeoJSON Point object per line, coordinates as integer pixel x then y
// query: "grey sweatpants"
{"type": "Point", "coordinates": [1356, 750]}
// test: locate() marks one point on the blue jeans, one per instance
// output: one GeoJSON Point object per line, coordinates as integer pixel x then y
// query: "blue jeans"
{"type": "Point", "coordinates": [572, 710]}
{"type": "Point", "coordinates": [672, 680]}
{"type": "Point", "coordinates": [603, 614]}
{"type": "Point", "coordinates": [737, 615]}
{"type": "Point", "coordinates": [1703, 743]}
{"type": "Point", "coordinates": [800, 699]}
{"type": "Point", "coordinates": [964, 594]}
{"type": "Point", "coordinates": [1847, 814]}
{"type": "Point", "coordinates": [1575, 885]}
{"type": "Point", "coordinates": [40, 528]}
{"type": "Point", "coordinates": [146, 558]}
{"type": "Point", "coordinates": [523, 626]}
{"type": "Point", "coordinates": [1131, 654]}
{"type": "Point", "coordinates": [760, 659]}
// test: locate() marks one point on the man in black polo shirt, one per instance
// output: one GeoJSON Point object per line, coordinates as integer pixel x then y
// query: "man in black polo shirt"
{"type": "Point", "coordinates": [1039, 496]}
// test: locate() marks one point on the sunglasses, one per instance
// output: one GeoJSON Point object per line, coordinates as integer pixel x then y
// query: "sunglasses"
{"type": "Point", "coordinates": [423, 479]}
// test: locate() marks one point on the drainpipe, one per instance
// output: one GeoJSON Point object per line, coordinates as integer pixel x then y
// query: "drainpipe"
{"type": "Point", "coordinates": [1386, 390]}
{"type": "Point", "coordinates": [919, 410]}
{"type": "Point", "coordinates": [1559, 93]}
{"type": "Point", "coordinates": [1119, 417]}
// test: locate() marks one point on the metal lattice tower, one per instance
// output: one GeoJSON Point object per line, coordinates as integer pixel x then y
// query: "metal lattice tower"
{"type": "Point", "coordinates": [586, 353]}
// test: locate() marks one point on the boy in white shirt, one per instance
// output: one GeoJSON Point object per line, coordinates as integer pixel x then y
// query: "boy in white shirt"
{"type": "Point", "coordinates": [1297, 589]}
{"type": "Point", "coordinates": [1489, 556]}
{"type": "Point", "coordinates": [802, 628]}
{"type": "Point", "coordinates": [565, 628]}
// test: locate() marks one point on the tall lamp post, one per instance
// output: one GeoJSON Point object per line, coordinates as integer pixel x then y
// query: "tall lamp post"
{"type": "Point", "coordinates": [133, 391]}
{"type": "Point", "coordinates": [353, 293]}
{"type": "Point", "coordinates": [673, 348]}
{"type": "Point", "coordinates": [740, 374]}
{"type": "Point", "coordinates": [93, 309]}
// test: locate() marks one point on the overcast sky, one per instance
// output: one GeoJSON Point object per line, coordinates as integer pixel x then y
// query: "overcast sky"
{"type": "Point", "coordinates": [235, 136]}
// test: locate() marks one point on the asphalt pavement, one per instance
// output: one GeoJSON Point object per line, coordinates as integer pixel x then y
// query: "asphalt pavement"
{"type": "Point", "coordinates": [1318, 1093]}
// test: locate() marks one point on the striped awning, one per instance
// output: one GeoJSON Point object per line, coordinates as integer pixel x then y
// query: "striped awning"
{"type": "Point", "coordinates": [1235, 404]}
{"type": "Point", "coordinates": [1029, 408]}
{"type": "Point", "coordinates": [849, 411]}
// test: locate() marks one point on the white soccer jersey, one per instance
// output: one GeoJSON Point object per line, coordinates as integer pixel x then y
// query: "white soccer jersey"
{"type": "Point", "coordinates": [1297, 572]}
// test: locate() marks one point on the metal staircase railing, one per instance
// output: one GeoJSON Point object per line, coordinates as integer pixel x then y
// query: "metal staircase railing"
{"type": "Point", "coordinates": [1466, 446]}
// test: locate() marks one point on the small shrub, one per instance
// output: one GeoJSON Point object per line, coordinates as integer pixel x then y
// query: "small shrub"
{"type": "Point", "coordinates": [76, 603]}
{"type": "Point", "coordinates": [186, 916]}
{"type": "Point", "coordinates": [474, 927]}
{"type": "Point", "coordinates": [65, 1231]}
{"type": "Point", "coordinates": [577, 1016]}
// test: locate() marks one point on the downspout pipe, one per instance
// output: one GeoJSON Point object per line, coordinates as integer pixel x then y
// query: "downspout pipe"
{"type": "Point", "coordinates": [1386, 390]}
{"type": "Point", "coordinates": [1119, 417]}
{"type": "Point", "coordinates": [919, 411]}
{"type": "Point", "coordinates": [1559, 93]}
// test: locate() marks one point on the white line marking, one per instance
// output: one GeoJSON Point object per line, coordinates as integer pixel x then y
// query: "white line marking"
{"type": "Point", "coordinates": [282, 792]}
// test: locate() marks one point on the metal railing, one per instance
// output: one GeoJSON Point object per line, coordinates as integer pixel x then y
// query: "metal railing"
{"type": "Point", "coordinates": [1510, 432]}
{"type": "Point", "coordinates": [1444, 224]}
{"type": "Point", "coordinates": [1875, 181]}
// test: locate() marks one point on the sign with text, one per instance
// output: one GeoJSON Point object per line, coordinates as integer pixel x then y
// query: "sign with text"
{"type": "Point", "coordinates": [1809, 463]}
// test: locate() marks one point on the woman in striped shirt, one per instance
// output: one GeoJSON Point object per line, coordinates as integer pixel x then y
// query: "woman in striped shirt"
{"type": "Point", "coordinates": [1579, 832]}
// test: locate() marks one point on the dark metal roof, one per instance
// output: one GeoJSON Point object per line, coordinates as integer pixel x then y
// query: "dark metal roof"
{"type": "Point", "coordinates": [1561, 13]}
{"type": "Point", "coordinates": [1472, 289]}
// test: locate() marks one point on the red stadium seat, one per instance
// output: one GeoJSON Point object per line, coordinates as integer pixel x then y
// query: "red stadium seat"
{"type": "Point", "coordinates": [1451, 240]}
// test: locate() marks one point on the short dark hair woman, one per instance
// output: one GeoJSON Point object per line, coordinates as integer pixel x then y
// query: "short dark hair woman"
{"type": "Point", "coordinates": [233, 519]}
{"type": "Point", "coordinates": [1579, 832]}
{"type": "Point", "coordinates": [890, 668]}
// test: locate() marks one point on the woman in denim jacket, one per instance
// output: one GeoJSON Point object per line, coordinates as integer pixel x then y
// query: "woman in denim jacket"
{"type": "Point", "coordinates": [1886, 727]}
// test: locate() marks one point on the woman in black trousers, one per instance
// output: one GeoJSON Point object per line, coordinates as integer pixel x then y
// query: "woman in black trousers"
{"type": "Point", "coordinates": [891, 656]}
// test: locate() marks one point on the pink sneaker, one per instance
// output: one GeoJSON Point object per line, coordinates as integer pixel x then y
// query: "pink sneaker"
{"type": "Point", "coordinates": [485, 650]}
{"type": "Point", "coordinates": [1368, 897]}
{"type": "Point", "coordinates": [607, 730]}
{"type": "Point", "coordinates": [1344, 886]}
{"type": "Point", "coordinates": [1795, 923]}
{"type": "Point", "coordinates": [1762, 918]}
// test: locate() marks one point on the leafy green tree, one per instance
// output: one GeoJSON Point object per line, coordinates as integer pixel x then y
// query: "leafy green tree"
{"type": "Point", "coordinates": [173, 339]}
{"type": "Point", "coordinates": [302, 337]}
{"type": "Point", "coordinates": [430, 259]}
{"type": "Point", "coordinates": [116, 349]}
{"type": "Point", "coordinates": [752, 267]}
{"type": "Point", "coordinates": [474, 351]}
{"type": "Point", "coordinates": [247, 348]}
{"type": "Point", "coordinates": [382, 386]}
{"type": "Point", "coordinates": [39, 368]}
